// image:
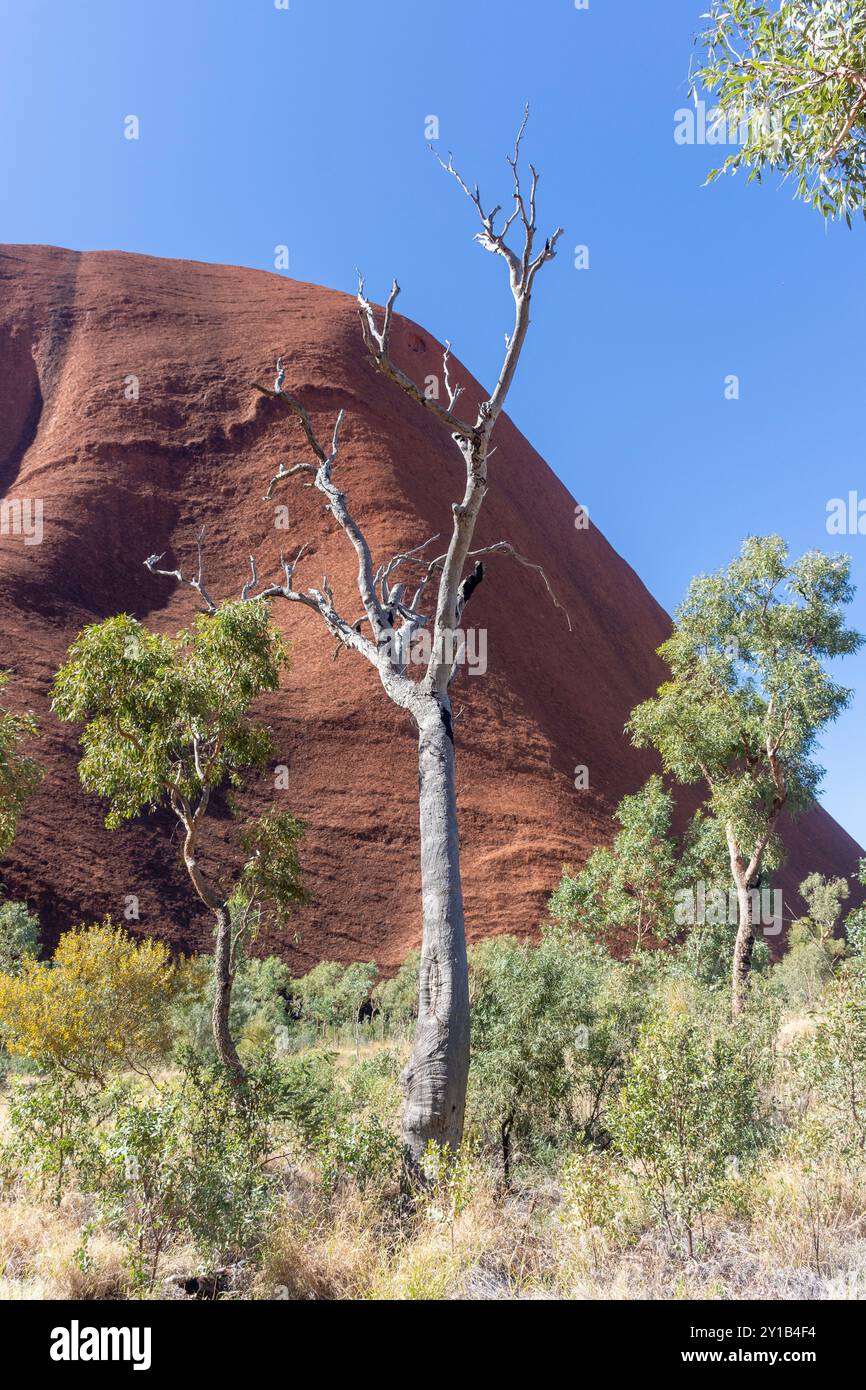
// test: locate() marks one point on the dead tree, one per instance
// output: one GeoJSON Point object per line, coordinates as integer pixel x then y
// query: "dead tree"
{"type": "Point", "coordinates": [435, 1078]}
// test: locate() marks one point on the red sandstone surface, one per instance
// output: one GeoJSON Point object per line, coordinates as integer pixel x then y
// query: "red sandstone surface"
{"type": "Point", "coordinates": [120, 479]}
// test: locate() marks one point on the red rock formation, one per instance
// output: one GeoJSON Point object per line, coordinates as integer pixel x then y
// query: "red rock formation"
{"type": "Point", "coordinates": [121, 478]}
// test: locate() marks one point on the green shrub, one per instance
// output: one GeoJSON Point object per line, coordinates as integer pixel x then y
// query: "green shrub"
{"type": "Point", "coordinates": [53, 1143]}
{"type": "Point", "coordinates": [550, 1024]}
{"type": "Point", "coordinates": [332, 994]}
{"type": "Point", "coordinates": [398, 997]}
{"type": "Point", "coordinates": [258, 1018]}
{"type": "Point", "coordinates": [688, 1118]}
{"type": "Point", "coordinates": [832, 1065]}
{"type": "Point", "coordinates": [19, 937]}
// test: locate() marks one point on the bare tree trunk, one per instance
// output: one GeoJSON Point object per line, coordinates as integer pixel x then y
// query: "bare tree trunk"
{"type": "Point", "coordinates": [434, 1081]}
{"type": "Point", "coordinates": [223, 981]}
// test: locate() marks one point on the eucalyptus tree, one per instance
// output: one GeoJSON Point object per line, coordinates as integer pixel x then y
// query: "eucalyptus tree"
{"type": "Point", "coordinates": [166, 725]}
{"type": "Point", "coordinates": [791, 76]}
{"type": "Point", "coordinates": [629, 889]}
{"type": "Point", "coordinates": [748, 695]}
{"type": "Point", "coordinates": [19, 774]}
{"type": "Point", "coordinates": [399, 626]}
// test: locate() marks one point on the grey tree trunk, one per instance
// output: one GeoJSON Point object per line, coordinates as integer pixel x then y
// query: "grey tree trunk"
{"type": "Point", "coordinates": [434, 1080]}
{"type": "Point", "coordinates": [223, 982]}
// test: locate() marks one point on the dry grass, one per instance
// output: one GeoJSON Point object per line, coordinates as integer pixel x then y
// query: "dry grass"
{"type": "Point", "coordinates": [521, 1246]}
{"type": "Point", "coordinates": [46, 1253]}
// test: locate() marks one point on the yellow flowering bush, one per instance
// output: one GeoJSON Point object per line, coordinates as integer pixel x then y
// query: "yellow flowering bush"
{"type": "Point", "coordinates": [102, 1001]}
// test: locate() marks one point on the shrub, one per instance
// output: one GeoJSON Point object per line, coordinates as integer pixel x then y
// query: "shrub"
{"type": "Point", "coordinates": [348, 1130]}
{"type": "Point", "coordinates": [227, 1142]}
{"type": "Point", "coordinates": [19, 937]}
{"type": "Point", "coordinates": [190, 1161]}
{"type": "Point", "coordinates": [688, 1118]}
{"type": "Point", "coordinates": [832, 1063]}
{"type": "Point", "coordinates": [814, 951]}
{"type": "Point", "coordinates": [332, 994]}
{"type": "Point", "coordinates": [103, 1001]}
{"type": "Point", "coordinates": [54, 1125]}
{"type": "Point", "coordinates": [398, 997]}
{"type": "Point", "coordinates": [628, 890]}
{"type": "Point", "coordinates": [258, 1016]}
{"type": "Point", "coordinates": [139, 1182]}
{"type": "Point", "coordinates": [591, 1207]}
{"type": "Point", "coordinates": [543, 1038]}
{"type": "Point", "coordinates": [363, 1148]}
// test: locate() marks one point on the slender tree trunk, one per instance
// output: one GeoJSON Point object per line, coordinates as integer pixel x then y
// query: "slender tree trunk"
{"type": "Point", "coordinates": [505, 1141]}
{"type": "Point", "coordinates": [434, 1081]}
{"type": "Point", "coordinates": [743, 947]}
{"type": "Point", "coordinates": [223, 981]}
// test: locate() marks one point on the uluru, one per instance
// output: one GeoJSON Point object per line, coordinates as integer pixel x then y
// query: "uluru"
{"type": "Point", "coordinates": [128, 416]}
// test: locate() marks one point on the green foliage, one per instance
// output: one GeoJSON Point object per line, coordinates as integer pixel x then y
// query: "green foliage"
{"type": "Point", "coordinates": [687, 1117]}
{"type": "Point", "coordinates": [591, 1196]}
{"type": "Point", "coordinates": [165, 724]}
{"type": "Point", "coordinates": [226, 1140]}
{"type": "Point", "coordinates": [447, 1181]}
{"type": "Point", "coordinates": [824, 898]}
{"type": "Point", "coordinates": [855, 923]}
{"type": "Point", "coordinates": [165, 718]}
{"type": "Point", "coordinates": [814, 952]}
{"type": "Point", "coordinates": [272, 873]}
{"type": "Point", "coordinates": [362, 1148]}
{"type": "Point", "coordinates": [53, 1127]}
{"type": "Point", "coordinates": [258, 1016]}
{"type": "Point", "coordinates": [549, 1028]}
{"type": "Point", "coordinates": [705, 955]}
{"type": "Point", "coordinates": [398, 997]}
{"type": "Point", "coordinates": [190, 1161]}
{"type": "Point", "coordinates": [19, 774]}
{"type": "Point", "coordinates": [628, 890]}
{"type": "Point", "coordinates": [794, 74]}
{"type": "Point", "coordinates": [19, 937]}
{"type": "Point", "coordinates": [347, 1128]}
{"type": "Point", "coordinates": [749, 693]}
{"type": "Point", "coordinates": [332, 994]}
{"type": "Point", "coordinates": [832, 1064]}
{"type": "Point", "coordinates": [138, 1181]}
{"type": "Point", "coordinates": [747, 676]}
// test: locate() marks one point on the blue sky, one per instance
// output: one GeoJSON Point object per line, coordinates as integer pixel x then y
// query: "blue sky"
{"type": "Point", "coordinates": [305, 126]}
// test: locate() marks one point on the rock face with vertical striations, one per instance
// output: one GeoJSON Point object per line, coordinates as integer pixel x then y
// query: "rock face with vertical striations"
{"type": "Point", "coordinates": [126, 410]}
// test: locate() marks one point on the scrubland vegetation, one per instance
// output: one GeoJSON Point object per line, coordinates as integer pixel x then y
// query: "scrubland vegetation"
{"type": "Point", "coordinates": [624, 1138]}
{"type": "Point", "coordinates": [657, 1106]}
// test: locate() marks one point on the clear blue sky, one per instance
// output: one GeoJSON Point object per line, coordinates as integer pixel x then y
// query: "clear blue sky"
{"type": "Point", "coordinates": [306, 127]}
